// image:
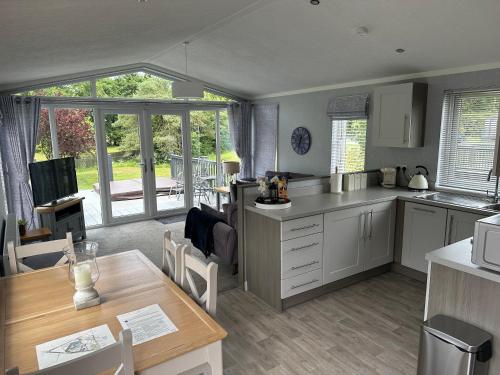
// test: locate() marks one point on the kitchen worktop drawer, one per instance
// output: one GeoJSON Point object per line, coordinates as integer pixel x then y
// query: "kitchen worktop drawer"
{"type": "Point", "coordinates": [301, 255]}
{"type": "Point", "coordinates": [301, 227]}
{"type": "Point", "coordinates": [301, 283]}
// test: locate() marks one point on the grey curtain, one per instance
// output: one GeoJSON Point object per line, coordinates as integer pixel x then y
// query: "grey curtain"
{"type": "Point", "coordinates": [18, 135]}
{"type": "Point", "coordinates": [266, 133]}
{"type": "Point", "coordinates": [240, 128]}
{"type": "Point", "coordinates": [348, 107]}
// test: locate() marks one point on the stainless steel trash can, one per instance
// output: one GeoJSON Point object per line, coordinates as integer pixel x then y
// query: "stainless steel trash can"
{"type": "Point", "coordinates": [451, 347]}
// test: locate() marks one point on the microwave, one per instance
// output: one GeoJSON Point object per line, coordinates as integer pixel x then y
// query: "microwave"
{"type": "Point", "coordinates": [486, 247]}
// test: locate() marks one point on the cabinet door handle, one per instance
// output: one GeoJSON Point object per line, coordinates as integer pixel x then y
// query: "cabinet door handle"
{"type": "Point", "coordinates": [371, 225]}
{"type": "Point", "coordinates": [450, 229]}
{"type": "Point", "coordinates": [406, 129]}
{"type": "Point", "coordinates": [304, 284]}
{"type": "Point", "coordinates": [425, 210]}
{"type": "Point", "coordinates": [306, 227]}
{"type": "Point", "coordinates": [304, 265]}
{"type": "Point", "coordinates": [363, 218]}
{"type": "Point", "coordinates": [304, 247]}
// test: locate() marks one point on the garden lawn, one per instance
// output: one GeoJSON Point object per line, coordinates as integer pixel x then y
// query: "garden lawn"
{"type": "Point", "coordinates": [128, 170]}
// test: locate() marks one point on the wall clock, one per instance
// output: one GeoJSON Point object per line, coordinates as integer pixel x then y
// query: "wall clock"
{"type": "Point", "coordinates": [301, 140]}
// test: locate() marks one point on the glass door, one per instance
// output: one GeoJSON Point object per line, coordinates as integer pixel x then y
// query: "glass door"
{"type": "Point", "coordinates": [125, 166]}
{"type": "Point", "coordinates": [167, 161]}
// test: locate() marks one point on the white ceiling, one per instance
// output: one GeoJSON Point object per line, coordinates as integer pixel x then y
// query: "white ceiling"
{"type": "Point", "coordinates": [249, 46]}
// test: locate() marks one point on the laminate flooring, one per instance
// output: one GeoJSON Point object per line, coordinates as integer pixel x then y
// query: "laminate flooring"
{"type": "Point", "coordinates": [371, 327]}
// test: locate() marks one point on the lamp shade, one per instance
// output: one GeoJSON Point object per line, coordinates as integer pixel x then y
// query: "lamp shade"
{"type": "Point", "coordinates": [230, 167]}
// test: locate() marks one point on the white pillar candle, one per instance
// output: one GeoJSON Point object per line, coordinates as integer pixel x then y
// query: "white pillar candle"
{"type": "Point", "coordinates": [83, 276]}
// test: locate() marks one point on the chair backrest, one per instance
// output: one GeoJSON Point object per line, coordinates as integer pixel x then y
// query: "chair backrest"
{"type": "Point", "coordinates": [208, 272]}
{"type": "Point", "coordinates": [115, 356]}
{"type": "Point", "coordinates": [16, 253]}
{"type": "Point", "coordinates": [172, 257]}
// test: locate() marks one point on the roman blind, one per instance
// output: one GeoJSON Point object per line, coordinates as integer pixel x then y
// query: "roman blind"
{"type": "Point", "coordinates": [348, 107]}
{"type": "Point", "coordinates": [467, 145]}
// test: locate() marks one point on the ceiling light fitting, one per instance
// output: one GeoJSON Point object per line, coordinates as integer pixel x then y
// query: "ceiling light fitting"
{"type": "Point", "coordinates": [362, 30]}
{"type": "Point", "coordinates": [314, 2]}
{"type": "Point", "coordinates": [187, 89]}
{"type": "Point", "coordinates": [400, 50]}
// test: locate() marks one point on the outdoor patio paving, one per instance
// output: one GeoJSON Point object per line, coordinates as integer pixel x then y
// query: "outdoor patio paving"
{"type": "Point", "coordinates": [92, 205]}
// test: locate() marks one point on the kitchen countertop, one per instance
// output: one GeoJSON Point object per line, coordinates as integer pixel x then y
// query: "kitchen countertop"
{"type": "Point", "coordinates": [458, 256]}
{"type": "Point", "coordinates": [328, 202]}
{"type": "Point", "coordinates": [321, 203]}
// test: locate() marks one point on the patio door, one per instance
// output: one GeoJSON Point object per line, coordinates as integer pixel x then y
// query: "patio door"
{"type": "Point", "coordinates": [125, 167]}
{"type": "Point", "coordinates": [169, 178]}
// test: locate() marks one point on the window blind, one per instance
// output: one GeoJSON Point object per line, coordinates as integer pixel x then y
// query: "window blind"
{"type": "Point", "coordinates": [348, 145]}
{"type": "Point", "coordinates": [467, 145]}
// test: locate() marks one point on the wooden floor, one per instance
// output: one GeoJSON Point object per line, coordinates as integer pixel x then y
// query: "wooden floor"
{"type": "Point", "coordinates": [368, 328]}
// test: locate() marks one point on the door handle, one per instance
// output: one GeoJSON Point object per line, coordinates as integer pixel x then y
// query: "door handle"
{"type": "Point", "coordinates": [450, 230]}
{"type": "Point", "coordinates": [424, 210]}
{"type": "Point", "coordinates": [363, 226]}
{"type": "Point", "coordinates": [145, 165]}
{"type": "Point", "coordinates": [406, 129]}
{"type": "Point", "coordinates": [371, 225]}
{"type": "Point", "coordinates": [151, 164]}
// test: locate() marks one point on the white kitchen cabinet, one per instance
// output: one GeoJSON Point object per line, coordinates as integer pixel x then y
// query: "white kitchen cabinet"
{"type": "Point", "coordinates": [358, 239]}
{"type": "Point", "coordinates": [379, 239]}
{"type": "Point", "coordinates": [460, 225]}
{"type": "Point", "coordinates": [424, 230]}
{"type": "Point", "coordinates": [343, 243]}
{"type": "Point", "coordinates": [399, 115]}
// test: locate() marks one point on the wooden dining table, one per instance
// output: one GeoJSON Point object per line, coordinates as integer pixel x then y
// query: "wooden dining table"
{"type": "Point", "coordinates": [37, 307]}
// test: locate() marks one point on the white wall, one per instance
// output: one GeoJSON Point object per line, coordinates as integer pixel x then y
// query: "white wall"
{"type": "Point", "coordinates": [309, 110]}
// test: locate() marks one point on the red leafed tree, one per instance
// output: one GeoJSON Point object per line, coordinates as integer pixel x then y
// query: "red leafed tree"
{"type": "Point", "coordinates": [75, 134]}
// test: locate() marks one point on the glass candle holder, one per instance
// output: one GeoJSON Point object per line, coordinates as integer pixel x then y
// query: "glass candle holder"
{"type": "Point", "coordinates": [83, 273]}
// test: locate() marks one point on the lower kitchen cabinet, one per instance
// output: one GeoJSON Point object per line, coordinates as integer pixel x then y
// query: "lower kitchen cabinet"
{"type": "Point", "coordinates": [428, 228]}
{"type": "Point", "coordinates": [343, 242]}
{"type": "Point", "coordinates": [379, 238]}
{"type": "Point", "coordinates": [424, 231]}
{"type": "Point", "coordinates": [460, 225]}
{"type": "Point", "coordinates": [357, 239]}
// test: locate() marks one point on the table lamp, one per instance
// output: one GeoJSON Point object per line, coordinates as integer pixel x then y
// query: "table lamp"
{"type": "Point", "coordinates": [83, 273]}
{"type": "Point", "coordinates": [231, 168]}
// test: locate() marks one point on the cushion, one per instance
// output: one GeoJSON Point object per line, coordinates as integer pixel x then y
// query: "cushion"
{"type": "Point", "coordinates": [209, 210]}
{"type": "Point", "coordinates": [231, 212]}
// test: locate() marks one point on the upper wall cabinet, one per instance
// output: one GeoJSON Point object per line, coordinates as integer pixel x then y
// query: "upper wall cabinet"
{"type": "Point", "coordinates": [399, 115]}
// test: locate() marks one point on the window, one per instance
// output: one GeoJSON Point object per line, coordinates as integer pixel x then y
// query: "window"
{"type": "Point", "coordinates": [467, 145]}
{"type": "Point", "coordinates": [348, 145]}
{"type": "Point", "coordinates": [79, 89]}
{"type": "Point", "coordinates": [133, 85]}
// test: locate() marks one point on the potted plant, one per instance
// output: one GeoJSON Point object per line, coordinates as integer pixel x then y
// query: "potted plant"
{"type": "Point", "coordinates": [21, 223]}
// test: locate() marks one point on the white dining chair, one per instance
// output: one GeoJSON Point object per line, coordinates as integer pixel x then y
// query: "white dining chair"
{"type": "Point", "coordinates": [172, 257]}
{"type": "Point", "coordinates": [208, 272]}
{"type": "Point", "coordinates": [17, 253]}
{"type": "Point", "coordinates": [116, 356]}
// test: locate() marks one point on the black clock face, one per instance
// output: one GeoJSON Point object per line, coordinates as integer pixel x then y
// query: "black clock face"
{"type": "Point", "coordinates": [301, 140]}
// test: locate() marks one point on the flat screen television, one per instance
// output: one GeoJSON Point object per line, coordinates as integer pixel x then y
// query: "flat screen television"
{"type": "Point", "coordinates": [52, 180]}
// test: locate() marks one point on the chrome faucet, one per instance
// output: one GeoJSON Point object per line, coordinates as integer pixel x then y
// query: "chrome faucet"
{"type": "Point", "coordinates": [495, 196]}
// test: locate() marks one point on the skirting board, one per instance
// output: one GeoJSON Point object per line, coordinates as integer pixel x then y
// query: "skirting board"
{"type": "Point", "coordinates": [339, 284]}
{"type": "Point", "coordinates": [410, 272]}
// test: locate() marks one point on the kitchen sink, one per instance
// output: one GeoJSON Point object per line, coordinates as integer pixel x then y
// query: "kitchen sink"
{"type": "Point", "coordinates": [493, 207]}
{"type": "Point", "coordinates": [461, 200]}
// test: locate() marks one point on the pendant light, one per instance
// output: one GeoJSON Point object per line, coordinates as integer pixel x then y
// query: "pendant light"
{"type": "Point", "coordinates": [187, 89]}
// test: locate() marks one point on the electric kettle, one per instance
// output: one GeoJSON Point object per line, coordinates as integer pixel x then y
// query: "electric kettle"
{"type": "Point", "coordinates": [418, 180]}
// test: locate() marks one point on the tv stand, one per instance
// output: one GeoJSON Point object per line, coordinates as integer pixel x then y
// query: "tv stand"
{"type": "Point", "coordinates": [64, 216]}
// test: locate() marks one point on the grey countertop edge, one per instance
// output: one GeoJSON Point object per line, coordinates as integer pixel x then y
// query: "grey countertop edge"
{"type": "Point", "coordinates": [404, 195]}
{"type": "Point", "coordinates": [458, 256]}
